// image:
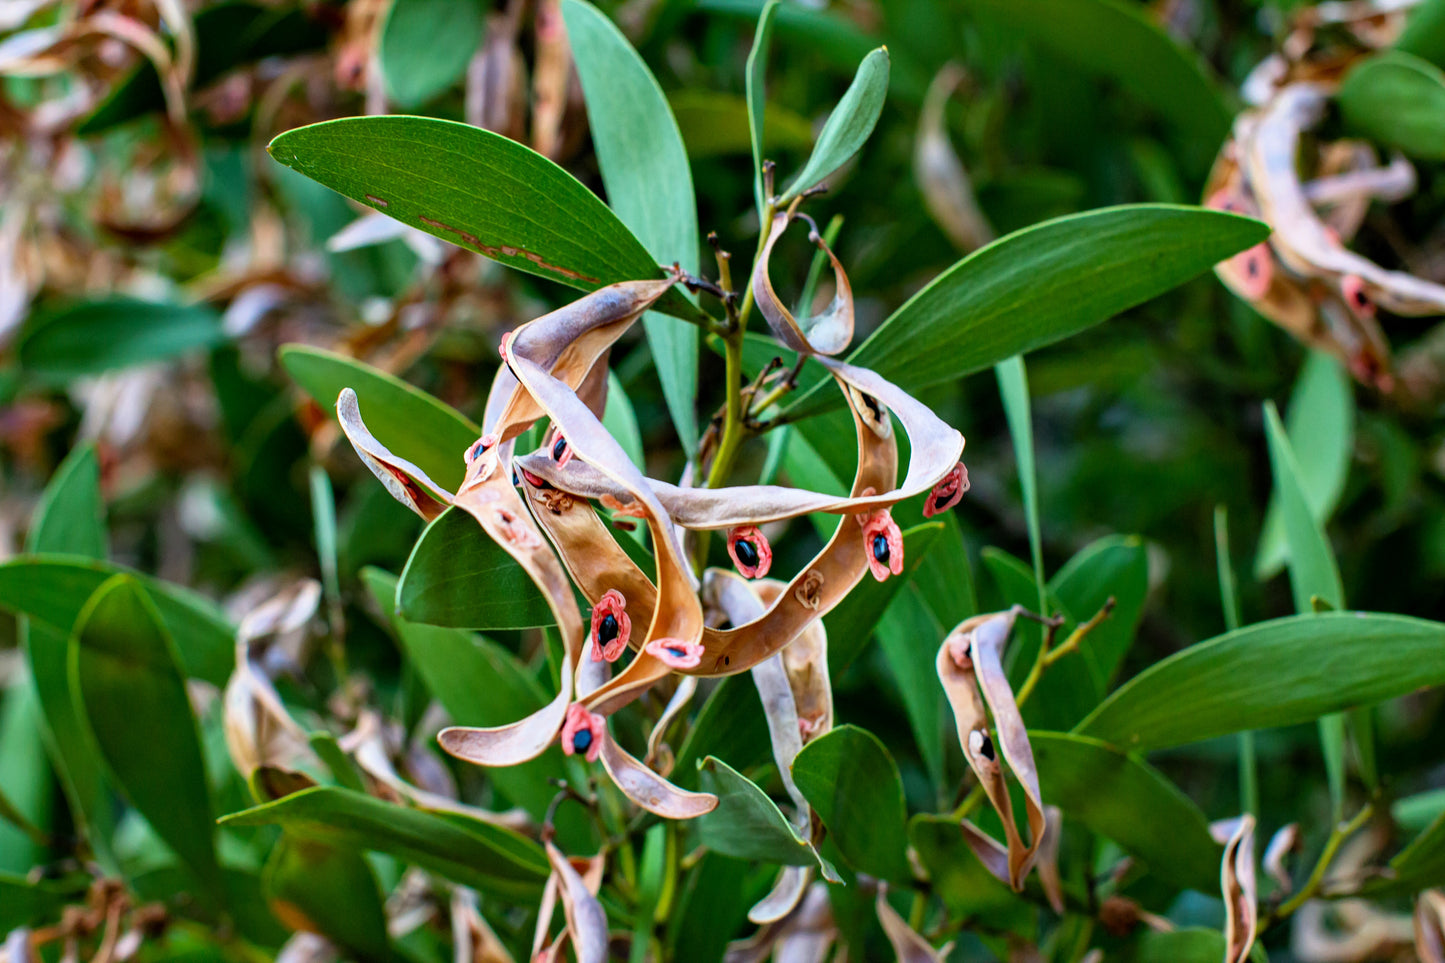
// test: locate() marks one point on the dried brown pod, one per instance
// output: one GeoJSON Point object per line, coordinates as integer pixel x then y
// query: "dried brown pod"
{"type": "Point", "coordinates": [1237, 883]}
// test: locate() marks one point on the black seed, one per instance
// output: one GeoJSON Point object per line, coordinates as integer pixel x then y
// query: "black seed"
{"type": "Point", "coordinates": [1253, 268]}
{"type": "Point", "coordinates": [516, 480]}
{"type": "Point", "coordinates": [880, 547]}
{"type": "Point", "coordinates": [582, 740]}
{"type": "Point", "coordinates": [727, 660]}
{"type": "Point", "coordinates": [872, 405]}
{"type": "Point", "coordinates": [675, 652]}
{"type": "Point", "coordinates": [747, 553]}
{"type": "Point", "coordinates": [986, 748]}
{"type": "Point", "coordinates": [558, 447]}
{"type": "Point", "coordinates": [607, 629]}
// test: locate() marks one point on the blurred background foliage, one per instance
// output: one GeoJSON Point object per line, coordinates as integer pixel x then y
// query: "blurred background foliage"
{"type": "Point", "coordinates": [135, 184]}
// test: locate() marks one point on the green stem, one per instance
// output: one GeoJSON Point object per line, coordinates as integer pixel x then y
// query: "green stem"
{"type": "Point", "coordinates": [1340, 833]}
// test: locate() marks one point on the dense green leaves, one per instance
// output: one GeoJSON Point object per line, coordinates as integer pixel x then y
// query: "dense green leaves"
{"type": "Point", "coordinates": [479, 684]}
{"type": "Point", "coordinates": [851, 622]}
{"type": "Point", "coordinates": [649, 183]}
{"type": "Point", "coordinates": [453, 557]}
{"type": "Point", "coordinates": [848, 126]}
{"type": "Point", "coordinates": [1397, 99]}
{"type": "Point", "coordinates": [53, 588]}
{"type": "Point", "coordinates": [747, 824]}
{"type": "Point", "coordinates": [414, 425]}
{"type": "Point", "coordinates": [126, 674]}
{"type": "Point", "coordinates": [425, 46]}
{"type": "Point", "coordinates": [476, 854]}
{"type": "Point", "coordinates": [1042, 284]}
{"type": "Point", "coordinates": [97, 336]}
{"type": "Point", "coordinates": [329, 890]}
{"type": "Point", "coordinates": [1274, 673]}
{"type": "Point", "coordinates": [853, 784]}
{"type": "Point", "coordinates": [476, 189]}
{"type": "Point", "coordinates": [1123, 799]}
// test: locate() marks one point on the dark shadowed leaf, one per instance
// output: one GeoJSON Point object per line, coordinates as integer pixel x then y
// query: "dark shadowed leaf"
{"type": "Point", "coordinates": [1277, 673]}
{"type": "Point", "coordinates": [731, 726]}
{"type": "Point", "coordinates": [909, 635]}
{"type": "Point", "coordinates": [1118, 566]}
{"type": "Point", "coordinates": [1397, 99]}
{"type": "Point", "coordinates": [1126, 800]}
{"type": "Point", "coordinates": [478, 190]}
{"type": "Point", "coordinates": [1042, 284]}
{"type": "Point", "coordinates": [475, 854]}
{"type": "Point", "coordinates": [848, 126]}
{"type": "Point", "coordinates": [414, 425]}
{"type": "Point", "coordinates": [1123, 43]}
{"type": "Point", "coordinates": [1192, 945]}
{"type": "Point", "coordinates": [961, 881]}
{"type": "Point", "coordinates": [125, 675]}
{"type": "Point", "coordinates": [104, 335]}
{"type": "Point", "coordinates": [756, 92]}
{"type": "Point", "coordinates": [52, 589]}
{"type": "Point", "coordinates": [330, 890]}
{"type": "Point", "coordinates": [425, 46]}
{"type": "Point", "coordinates": [649, 184]}
{"type": "Point", "coordinates": [1419, 865]}
{"type": "Point", "coordinates": [851, 622]}
{"type": "Point", "coordinates": [26, 903]}
{"type": "Point", "coordinates": [853, 784]}
{"type": "Point", "coordinates": [452, 558]}
{"type": "Point", "coordinates": [715, 124]}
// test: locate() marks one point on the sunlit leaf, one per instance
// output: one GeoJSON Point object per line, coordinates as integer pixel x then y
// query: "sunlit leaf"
{"type": "Point", "coordinates": [853, 784]}
{"type": "Point", "coordinates": [478, 190]}
{"type": "Point", "coordinates": [1276, 673]}
{"type": "Point", "coordinates": [848, 126]}
{"type": "Point", "coordinates": [1040, 285]}
{"type": "Point", "coordinates": [485, 857]}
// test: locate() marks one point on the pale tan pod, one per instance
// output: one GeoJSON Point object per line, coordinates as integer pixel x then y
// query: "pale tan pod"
{"type": "Point", "coordinates": [401, 477]}
{"type": "Point", "coordinates": [908, 945]}
{"type": "Point", "coordinates": [1237, 883]}
{"type": "Point", "coordinates": [649, 790]}
{"type": "Point", "coordinates": [827, 333]}
{"type": "Point", "coordinates": [1430, 926]}
{"type": "Point", "coordinates": [783, 898]}
{"type": "Point", "coordinates": [586, 920]}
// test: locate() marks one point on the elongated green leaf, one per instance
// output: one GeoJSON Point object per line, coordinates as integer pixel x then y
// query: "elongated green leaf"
{"type": "Point", "coordinates": [125, 675]}
{"type": "Point", "coordinates": [329, 890]}
{"type": "Point", "coordinates": [1013, 388]}
{"type": "Point", "coordinates": [24, 903]}
{"type": "Point", "coordinates": [1312, 574]}
{"type": "Point", "coordinates": [1117, 40]}
{"type": "Point", "coordinates": [1140, 810]}
{"type": "Point", "coordinates": [757, 97]}
{"type": "Point", "coordinates": [853, 784]}
{"type": "Point", "coordinates": [414, 425]}
{"type": "Point", "coordinates": [715, 124]}
{"type": "Point", "coordinates": [26, 777]}
{"type": "Point", "coordinates": [1117, 566]}
{"type": "Point", "coordinates": [459, 577]}
{"type": "Point", "coordinates": [1414, 813]}
{"type": "Point", "coordinates": [848, 126]}
{"type": "Point", "coordinates": [831, 35]}
{"type": "Point", "coordinates": [945, 578]}
{"type": "Point", "coordinates": [52, 589]}
{"type": "Point", "coordinates": [475, 854]}
{"type": "Point", "coordinates": [649, 184]}
{"type": "Point", "coordinates": [620, 420]}
{"type": "Point", "coordinates": [1320, 424]}
{"type": "Point", "coordinates": [479, 684]}
{"type": "Point", "coordinates": [909, 635]}
{"type": "Point", "coordinates": [69, 519]}
{"type": "Point", "coordinates": [425, 46]}
{"type": "Point", "coordinates": [1397, 99]}
{"type": "Point", "coordinates": [477, 190]}
{"type": "Point", "coordinates": [747, 824]}
{"type": "Point", "coordinates": [104, 335]}
{"type": "Point", "coordinates": [1042, 284]}
{"type": "Point", "coordinates": [851, 622]}
{"type": "Point", "coordinates": [1277, 673]}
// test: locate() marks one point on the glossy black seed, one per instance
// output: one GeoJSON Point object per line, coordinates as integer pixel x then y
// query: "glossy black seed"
{"type": "Point", "coordinates": [607, 629]}
{"type": "Point", "coordinates": [880, 547]}
{"type": "Point", "coordinates": [558, 447]}
{"type": "Point", "coordinates": [516, 480]}
{"type": "Point", "coordinates": [675, 652]}
{"type": "Point", "coordinates": [747, 553]}
{"type": "Point", "coordinates": [582, 740]}
{"type": "Point", "coordinates": [986, 749]}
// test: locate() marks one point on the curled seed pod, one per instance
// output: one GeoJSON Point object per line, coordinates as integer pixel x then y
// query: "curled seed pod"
{"type": "Point", "coordinates": [826, 333]}
{"type": "Point", "coordinates": [947, 493]}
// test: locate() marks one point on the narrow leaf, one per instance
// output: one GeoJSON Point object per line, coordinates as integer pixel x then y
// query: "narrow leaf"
{"type": "Point", "coordinates": [848, 126]}
{"type": "Point", "coordinates": [649, 184]}
{"type": "Point", "coordinates": [756, 83]}
{"type": "Point", "coordinates": [105, 335]}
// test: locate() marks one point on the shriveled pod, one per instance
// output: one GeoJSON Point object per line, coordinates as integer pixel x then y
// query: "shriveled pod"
{"type": "Point", "coordinates": [826, 333]}
{"type": "Point", "coordinates": [1237, 883]}
{"type": "Point", "coordinates": [970, 667]}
